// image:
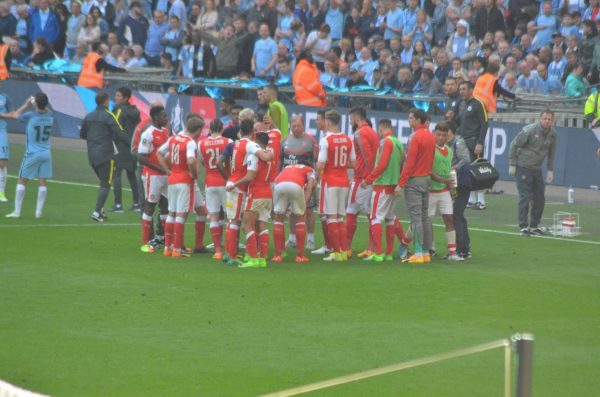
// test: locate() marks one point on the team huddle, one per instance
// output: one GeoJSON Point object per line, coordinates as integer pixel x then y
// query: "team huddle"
{"type": "Point", "coordinates": [265, 175]}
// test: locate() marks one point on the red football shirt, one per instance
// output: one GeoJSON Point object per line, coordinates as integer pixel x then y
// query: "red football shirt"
{"type": "Point", "coordinates": [178, 150]}
{"type": "Point", "coordinates": [260, 187]}
{"type": "Point", "coordinates": [242, 149]}
{"type": "Point", "coordinates": [366, 144]}
{"type": "Point", "coordinates": [210, 148]}
{"type": "Point", "coordinates": [296, 173]}
{"type": "Point", "coordinates": [336, 151]}
{"type": "Point", "coordinates": [152, 139]}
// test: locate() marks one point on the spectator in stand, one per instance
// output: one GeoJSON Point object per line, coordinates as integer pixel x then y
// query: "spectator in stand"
{"type": "Point", "coordinates": [428, 84]}
{"type": "Point", "coordinates": [74, 25]}
{"type": "Point", "coordinates": [107, 11]}
{"type": "Point", "coordinates": [439, 23]}
{"type": "Point", "coordinates": [246, 46]}
{"type": "Point", "coordinates": [334, 17]}
{"type": "Point", "coordinates": [547, 85]}
{"type": "Point", "coordinates": [22, 29]}
{"type": "Point", "coordinates": [457, 10]}
{"type": "Point", "coordinates": [315, 17]}
{"type": "Point", "coordinates": [329, 75]}
{"type": "Point", "coordinates": [394, 21]}
{"type": "Point", "coordinates": [406, 54]}
{"type": "Point", "coordinates": [104, 26]}
{"type": "Point", "coordinates": [134, 28]}
{"type": "Point", "coordinates": [208, 19]}
{"type": "Point", "coordinates": [509, 83]}
{"type": "Point", "coordinates": [405, 81]}
{"type": "Point", "coordinates": [575, 87]}
{"type": "Point", "coordinates": [89, 33]}
{"type": "Point", "coordinates": [283, 33]}
{"type": "Point", "coordinates": [265, 54]}
{"type": "Point", "coordinates": [17, 55]}
{"type": "Point", "coordinates": [178, 9]}
{"type": "Point", "coordinates": [588, 44]}
{"type": "Point", "coordinates": [528, 78]}
{"type": "Point", "coordinates": [157, 29]}
{"type": "Point", "coordinates": [319, 43]}
{"type": "Point", "coordinates": [558, 64]}
{"type": "Point", "coordinates": [172, 40]}
{"type": "Point", "coordinates": [138, 60]}
{"type": "Point", "coordinates": [343, 76]}
{"type": "Point", "coordinates": [44, 24]}
{"type": "Point", "coordinates": [422, 32]}
{"type": "Point", "coordinates": [42, 53]}
{"type": "Point", "coordinates": [8, 22]}
{"type": "Point", "coordinates": [365, 64]}
{"type": "Point", "coordinates": [488, 19]}
{"type": "Point", "coordinates": [410, 17]}
{"type": "Point", "coordinates": [461, 44]}
{"type": "Point", "coordinates": [263, 13]}
{"type": "Point", "coordinates": [568, 28]}
{"type": "Point", "coordinates": [443, 67]}
{"type": "Point", "coordinates": [113, 58]}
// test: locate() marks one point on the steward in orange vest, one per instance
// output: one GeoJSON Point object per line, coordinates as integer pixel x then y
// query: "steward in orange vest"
{"type": "Point", "coordinates": [5, 60]}
{"type": "Point", "coordinates": [93, 68]}
{"type": "Point", "coordinates": [307, 84]}
{"type": "Point", "coordinates": [487, 88]}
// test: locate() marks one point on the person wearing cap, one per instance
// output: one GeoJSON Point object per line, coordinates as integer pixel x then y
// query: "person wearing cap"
{"type": "Point", "coordinates": [134, 28]}
{"type": "Point", "coordinates": [461, 44]}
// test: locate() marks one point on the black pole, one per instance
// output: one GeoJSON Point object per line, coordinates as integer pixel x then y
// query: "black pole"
{"type": "Point", "coordinates": [524, 346]}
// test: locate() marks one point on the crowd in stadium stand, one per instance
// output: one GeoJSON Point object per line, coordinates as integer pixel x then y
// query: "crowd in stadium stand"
{"type": "Point", "coordinates": [550, 47]}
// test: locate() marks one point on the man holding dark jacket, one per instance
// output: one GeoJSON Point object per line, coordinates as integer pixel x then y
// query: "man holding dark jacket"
{"type": "Point", "coordinates": [128, 116]}
{"type": "Point", "coordinates": [102, 132]}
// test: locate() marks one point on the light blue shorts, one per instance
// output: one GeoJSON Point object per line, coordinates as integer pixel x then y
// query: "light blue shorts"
{"type": "Point", "coordinates": [36, 165]}
{"type": "Point", "coordinates": [4, 151]}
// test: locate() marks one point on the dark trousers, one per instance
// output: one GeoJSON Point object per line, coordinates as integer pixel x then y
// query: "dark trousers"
{"type": "Point", "coordinates": [104, 172]}
{"type": "Point", "coordinates": [463, 241]}
{"type": "Point", "coordinates": [530, 185]}
{"type": "Point", "coordinates": [118, 185]}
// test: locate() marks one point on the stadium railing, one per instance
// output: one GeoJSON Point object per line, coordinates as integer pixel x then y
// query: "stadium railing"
{"type": "Point", "coordinates": [568, 113]}
{"type": "Point", "coordinates": [522, 344]}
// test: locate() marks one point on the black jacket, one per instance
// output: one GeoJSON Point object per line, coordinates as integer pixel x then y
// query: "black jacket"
{"type": "Point", "coordinates": [102, 132]}
{"type": "Point", "coordinates": [128, 116]}
{"type": "Point", "coordinates": [488, 21]}
{"type": "Point", "coordinates": [472, 123]}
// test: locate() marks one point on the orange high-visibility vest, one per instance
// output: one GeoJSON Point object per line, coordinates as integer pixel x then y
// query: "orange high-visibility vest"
{"type": "Point", "coordinates": [307, 85]}
{"type": "Point", "coordinates": [484, 91]}
{"type": "Point", "coordinates": [3, 68]}
{"type": "Point", "coordinates": [89, 77]}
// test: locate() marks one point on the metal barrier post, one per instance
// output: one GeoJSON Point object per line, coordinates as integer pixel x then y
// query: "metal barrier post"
{"type": "Point", "coordinates": [524, 345]}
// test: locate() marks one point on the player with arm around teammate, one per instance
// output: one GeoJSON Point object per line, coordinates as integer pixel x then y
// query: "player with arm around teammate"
{"type": "Point", "coordinates": [209, 151]}
{"type": "Point", "coordinates": [383, 178]}
{"type": "Point", "coordinates": [236, 192]}
{"type": "Point", "coordinates": [259, 202]}
{"type": "Point", "coordinates": [178, 157]}
{"type": "Point", "coordinates": [336, 156]}
{"type": "Point", "coordinates": [37, 161]}
{"type": "Point", "coordinates": [293, 189]}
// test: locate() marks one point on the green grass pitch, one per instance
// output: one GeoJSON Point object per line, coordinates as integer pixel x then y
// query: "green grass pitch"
{"type": "Point", "coordinates": [84, 313]}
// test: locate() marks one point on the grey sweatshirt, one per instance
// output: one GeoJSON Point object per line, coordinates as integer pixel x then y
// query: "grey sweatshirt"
{"type": "Point", "coordinates": [461, 153]}
{"type": "Point", "coordinates": [227, 51]}
{"type": "Point", "coordinates": [531, 146]}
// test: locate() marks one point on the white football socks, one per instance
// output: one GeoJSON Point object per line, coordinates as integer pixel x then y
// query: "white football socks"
{"type": "Point", "coordinates": [19, 196]}
{"type": "Point", "coordinates": [3, 172]}
{"type": "Point", "coordinates": [41, 199]}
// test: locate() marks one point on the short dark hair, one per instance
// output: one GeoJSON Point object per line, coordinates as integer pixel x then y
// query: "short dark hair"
{"type": "Point", "coordinates": [467, 83]}
{"type": "Point", "coordinates": [261, 113]}
{"type": "Point", "coordinates": [451, 124]}
{"type": "Point", "coordinates": [321, 112]}
{"type": "Point", "coordinates": [419, 114]}
{"type": "Point", "coordinates": [385, 123]}
{"type": "Point", "coordinates": [442, 126]}
{"type": "Point", "coordinates": [493, 68]}
{"type": "Point", "coordinates": [237, 107]}
{"type": "Point", "coordinates": [101, 98]}
{"type": "Point", "coordinates": [96, 46]}
{"type": "Point", "coordinates": [246, 127]}
{"type": "Point", "coordinates": [333, 116]}
{"type": "Point", "coordinates": [125, 91]}
{"type": "Point", "coordinates": [41, 100]}
{"type": "Point", "coordinates": [194, 124]}
{"type": "Point", "coordinates": [230, 101]}
{"type": "Point", "coordinates": [428, 73]}
{"type": "Point", "coordinates": [262, 138]}
{"type": "Point", "coordinates": [156, 110]}
{"type": "Point", "coordinates": [547, 111]}
{"type": "Point", "coordinates": [216, 125]}
{"type": "Point", "coordinates": [359, 111]}
{"type": "Point", "coordinates": [191, 115]}
{"type": "Point", "coordinates": [273, 88]}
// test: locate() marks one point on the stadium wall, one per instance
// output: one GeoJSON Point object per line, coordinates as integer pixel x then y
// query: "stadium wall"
{"type": "Point", "coordinates": [576, 163]}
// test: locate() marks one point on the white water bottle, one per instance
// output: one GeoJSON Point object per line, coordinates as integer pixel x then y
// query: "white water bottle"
{"type": "Point", "coordinates": [570, 195]}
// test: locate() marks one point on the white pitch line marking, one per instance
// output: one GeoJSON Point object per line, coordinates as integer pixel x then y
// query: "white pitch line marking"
{"type": "Point", "coordinates": [74, 225]}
